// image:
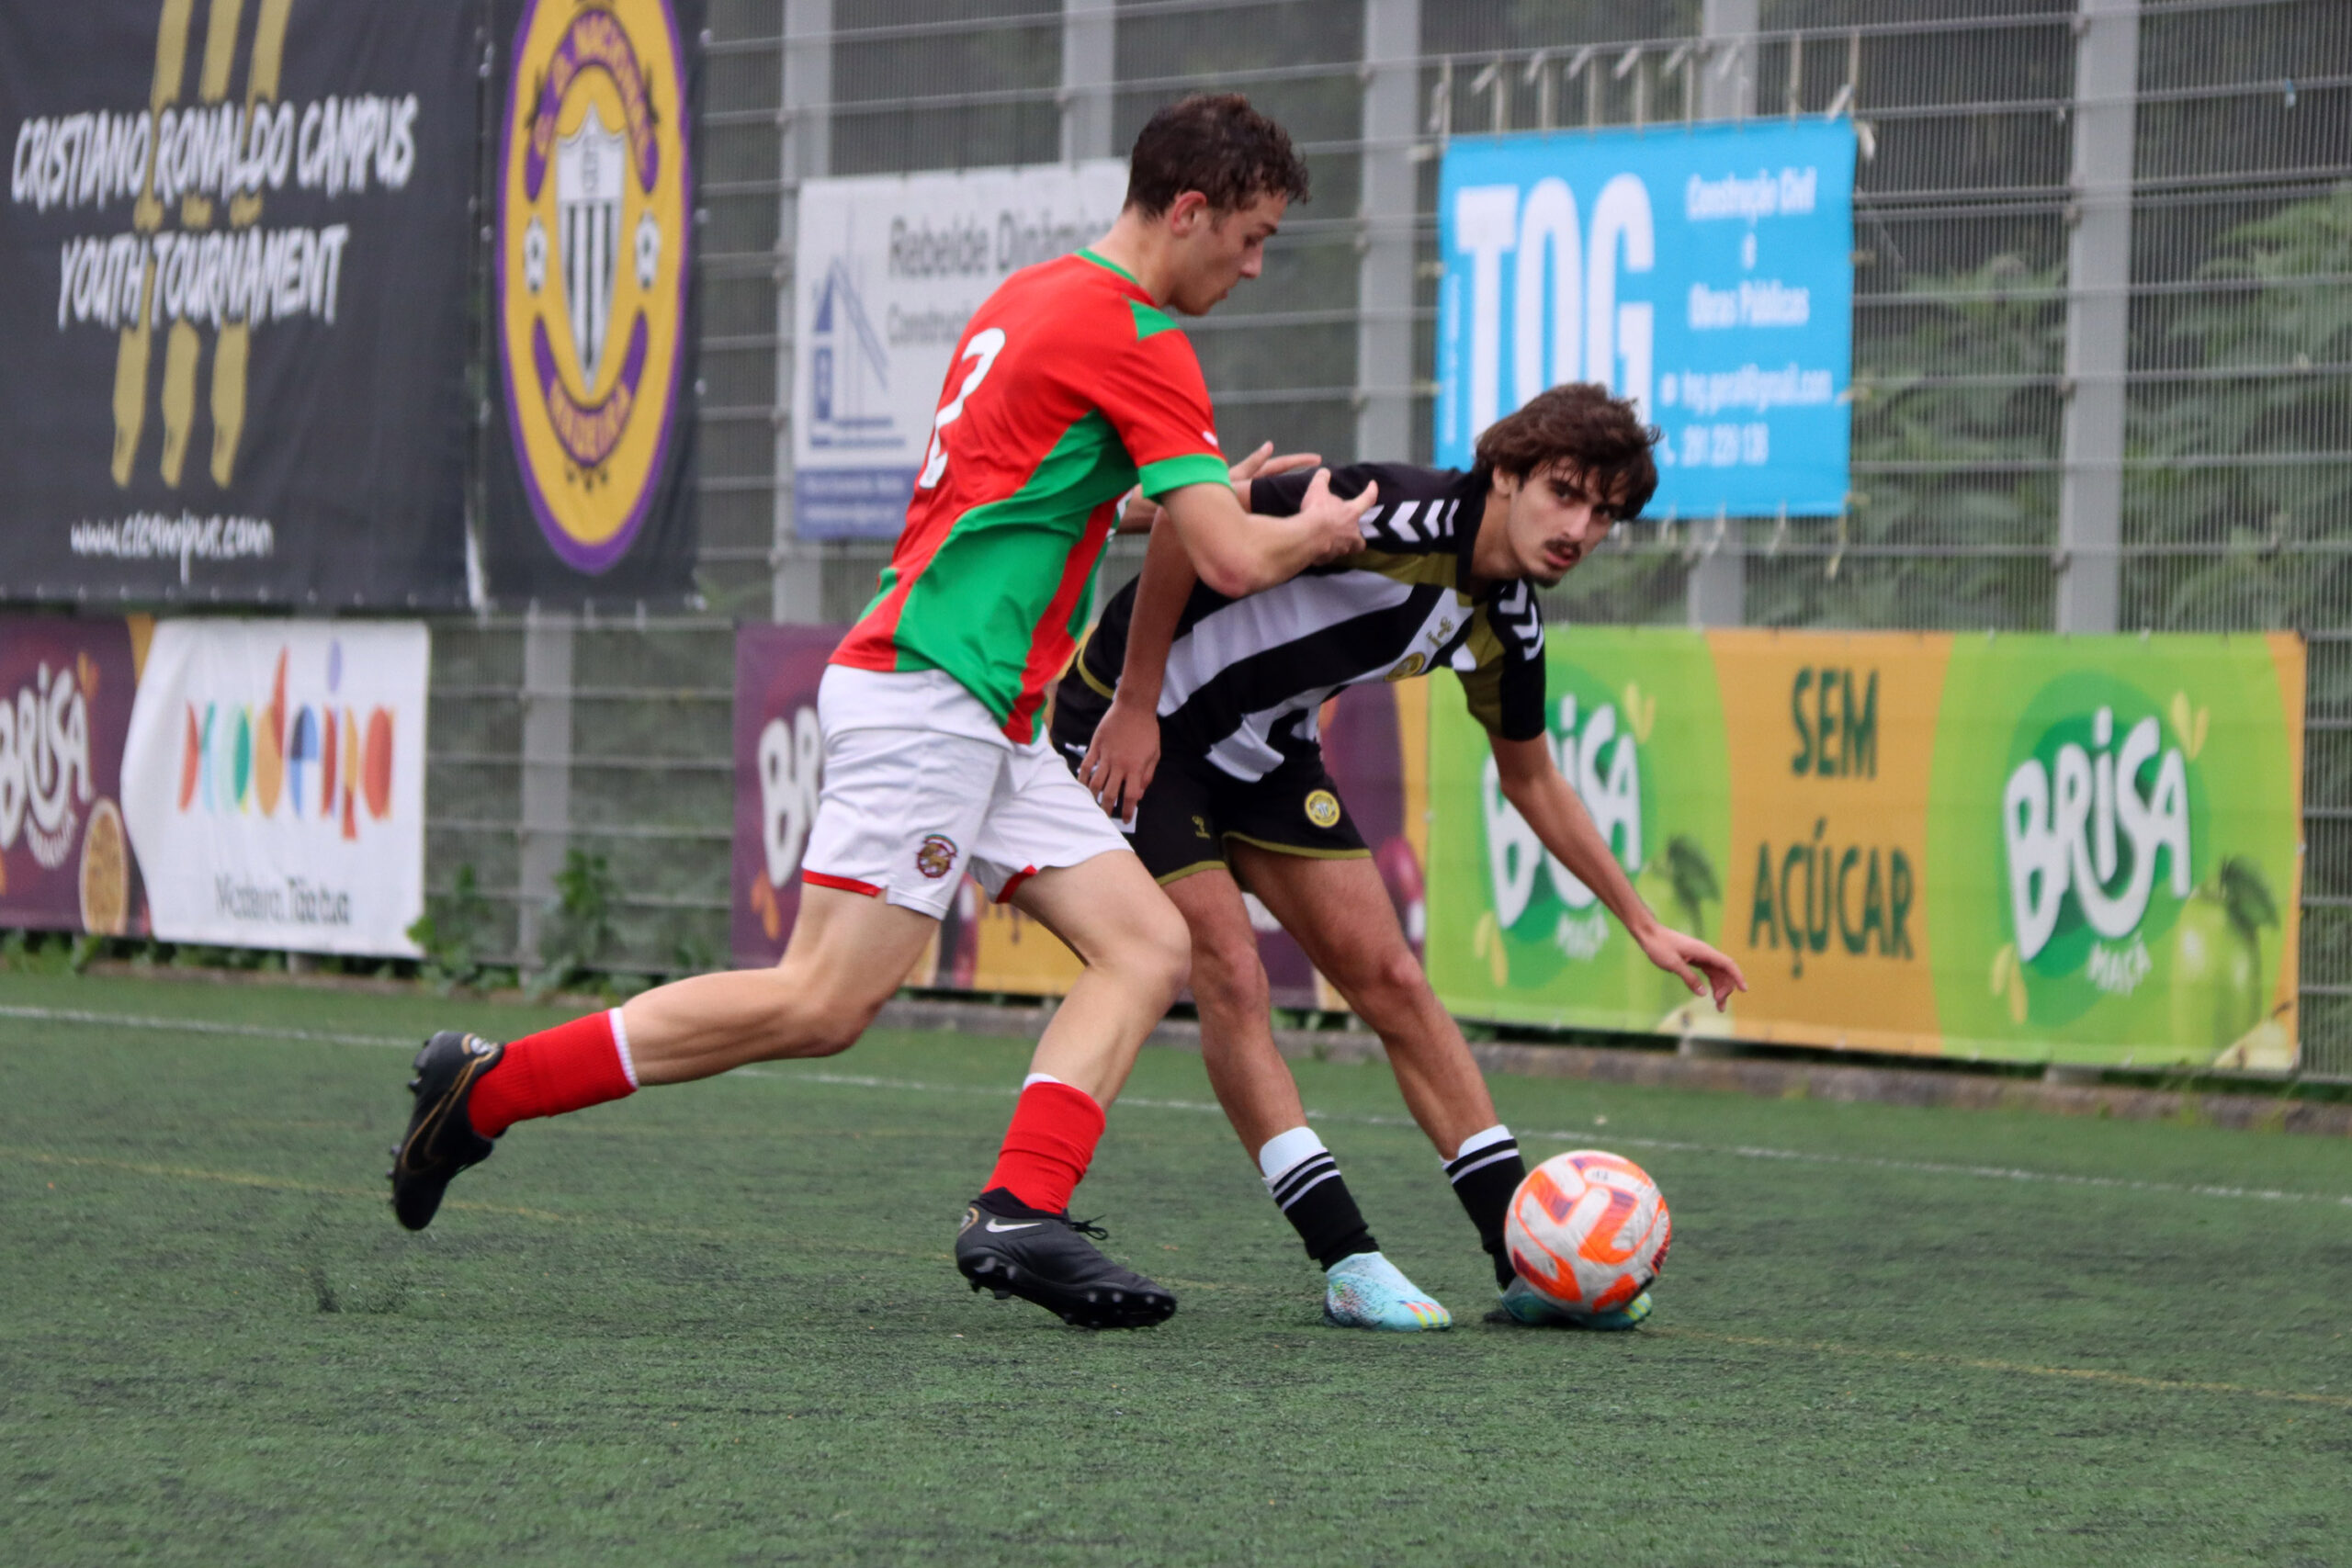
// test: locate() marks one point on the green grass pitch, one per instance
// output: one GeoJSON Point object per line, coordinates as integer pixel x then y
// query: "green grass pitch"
{"type": "Point", "coordinates": [719, 1325]}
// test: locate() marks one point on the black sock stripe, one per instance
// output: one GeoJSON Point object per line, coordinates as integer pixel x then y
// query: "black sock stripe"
{"type": "Point", "coordinates": [1300, 1177]}
{"type": "Point", "coordinates": [1328, 1173]}
{"type": "Point", "coordinates": [1478, 1159]}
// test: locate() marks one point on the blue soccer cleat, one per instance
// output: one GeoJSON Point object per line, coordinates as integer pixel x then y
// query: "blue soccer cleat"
{"type": "Point", "coordinates": [1366, 1291]}
{"type": "Point", "coordinates": [1524, 1305]}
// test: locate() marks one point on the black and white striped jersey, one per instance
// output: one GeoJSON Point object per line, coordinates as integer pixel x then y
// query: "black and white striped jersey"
{"type": "Point", "coordinates": [1246, 677]}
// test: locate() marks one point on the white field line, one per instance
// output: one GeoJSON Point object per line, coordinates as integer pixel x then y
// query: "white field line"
{"type": "Point", "coordinates": [1141, 1103]}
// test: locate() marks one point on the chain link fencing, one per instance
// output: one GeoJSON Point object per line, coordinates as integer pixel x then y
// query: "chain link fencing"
{"type": "Point", "coordinates": [2225, 326]}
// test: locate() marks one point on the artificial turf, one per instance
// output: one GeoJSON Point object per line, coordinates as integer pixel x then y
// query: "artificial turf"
{"type": "Point", "coordinates": [718, 1324]}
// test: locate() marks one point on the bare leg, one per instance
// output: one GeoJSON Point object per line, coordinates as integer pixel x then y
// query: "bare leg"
{"type": "Point", "coordinates": [848, 955]}
{"type": "Point", "coordinates": [1252, 1081]}
{"type": "Point", "coordinates": [1338, 911]}
{"type": "Point", "coordinates": [1115, 919]}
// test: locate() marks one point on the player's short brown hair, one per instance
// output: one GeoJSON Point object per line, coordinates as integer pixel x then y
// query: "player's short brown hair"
{"type": "Point", "coordinates": [1580, 424]}
{"type": "Point", "coordinates": [1218, 145]}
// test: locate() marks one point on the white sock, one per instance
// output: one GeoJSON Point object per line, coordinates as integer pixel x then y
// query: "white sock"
{"type": "Point", "coordinates": [620, 1043]}
{"type": "Point", "coordinates": [1034, 1078]}
{"type": "Point", "coordinates": [1284, 1150]}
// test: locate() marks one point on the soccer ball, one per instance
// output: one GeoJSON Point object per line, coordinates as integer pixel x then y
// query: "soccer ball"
{"type": "Point", "coordinates": [1588, 1231]}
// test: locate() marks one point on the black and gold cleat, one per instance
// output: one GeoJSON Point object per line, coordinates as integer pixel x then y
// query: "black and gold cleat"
{"type": "Point", "coordinates": [1014, 1250]}
{"type": "Point", "coordinates": [441, 1140]}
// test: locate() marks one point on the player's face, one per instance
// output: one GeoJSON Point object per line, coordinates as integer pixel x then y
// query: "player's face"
{"type": "Point", "coordinates": [1556, 519]}
{"type": "Point", "coordinates": [1214, 251]}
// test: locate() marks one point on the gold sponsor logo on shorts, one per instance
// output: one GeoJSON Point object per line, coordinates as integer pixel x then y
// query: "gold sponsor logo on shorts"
{"type": "Point", "coordinates": [1413, 665]}
{"type": "Point", "coordinates": [1323, 809]}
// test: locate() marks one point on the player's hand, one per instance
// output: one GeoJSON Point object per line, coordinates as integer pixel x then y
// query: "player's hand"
{"type": "Point", "coordinates": [1338, 525]}
{"type": "Point", "coordinates": [1707, 971]}
{"type": "Point", "coordinates": [1121, 759]}
{"type": "Point", "coordinates": [1263, 465]}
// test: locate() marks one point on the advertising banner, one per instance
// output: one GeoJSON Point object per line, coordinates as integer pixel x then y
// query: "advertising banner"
{"type": "Point", "coordinates": [778, 757]}
{"type": "Point", "coordinates": [890, 267]}
{"type": "Point", "coordinates": [590, 464]}
{"type": "Point", "coordinates": [65, 694]}
{"type": "Point", "coordinates": [233, 267]}
{"type": "Point", "coordinates": [1704, 272]}
{"type": "Point", "coordinates": [274, 783]}
{"type": "Point", "coordinates": [1376, 746]}
{"type": "Point", "coordinates": [2021, 847]}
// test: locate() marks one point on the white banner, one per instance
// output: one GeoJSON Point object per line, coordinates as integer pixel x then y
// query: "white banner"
{"type": "Point", "coordinates": [274, 783]}
{"type": "Point", "coordinates": [889, 268]}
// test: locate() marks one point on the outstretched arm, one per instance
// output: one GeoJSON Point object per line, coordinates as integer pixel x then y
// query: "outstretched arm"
{"type": "Point", "coordinates": [1238, 552]}
{"type": "Point", "coordinates": [1532, 782]}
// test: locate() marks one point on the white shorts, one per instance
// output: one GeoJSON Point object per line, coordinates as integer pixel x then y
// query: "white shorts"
{"type": "Point", "coordinates": [917, 792]}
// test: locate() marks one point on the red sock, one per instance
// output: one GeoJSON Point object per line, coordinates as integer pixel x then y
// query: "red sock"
{"type": "Point", "coordinates": [1049, 1145]}
{"type": "Point", "coordinates": [568, 1067]}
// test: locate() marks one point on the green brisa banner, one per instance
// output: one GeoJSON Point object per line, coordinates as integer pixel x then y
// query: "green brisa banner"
{"type": "Point", "coordinates": [2034, 848]}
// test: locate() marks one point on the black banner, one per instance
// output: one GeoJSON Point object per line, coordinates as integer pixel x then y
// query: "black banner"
{"type": "Point", "coordinates": [589, 463]}
{"type": "Point", "coordinates": [233, 271]}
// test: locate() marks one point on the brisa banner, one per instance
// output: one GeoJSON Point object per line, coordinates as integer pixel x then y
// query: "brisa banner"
{"type": "Point", "coordinates": [2038, 847]}
{"type": "Point", "coordinates": [65, 697]}
{"type": "Point", "coordinates": [274, 783]}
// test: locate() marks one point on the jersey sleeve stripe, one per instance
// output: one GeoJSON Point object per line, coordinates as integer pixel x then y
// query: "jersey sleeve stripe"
{"type": "Point", "coordinates": [1174, 473]}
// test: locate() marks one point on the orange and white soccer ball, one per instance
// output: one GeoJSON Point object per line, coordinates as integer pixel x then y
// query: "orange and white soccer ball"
{"type": "Point", "coordinates": [1587, 1230]}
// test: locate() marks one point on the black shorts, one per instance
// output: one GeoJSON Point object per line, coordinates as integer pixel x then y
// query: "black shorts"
{"type": "Point", "coordinates": [1194, 808]}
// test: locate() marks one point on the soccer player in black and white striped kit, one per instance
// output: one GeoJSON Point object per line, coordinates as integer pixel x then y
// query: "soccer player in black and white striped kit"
{"type": "Point", "coordinates": [1217, 769]}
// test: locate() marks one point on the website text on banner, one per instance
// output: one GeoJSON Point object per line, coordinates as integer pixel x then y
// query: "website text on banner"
{"type": "Point", "coordinates": [274, 783]}
{"type": "Point", "coordinates": [1705, 273]}
{"type": "Point", "coordinates": [65, 694]}
{"type": "Point", "coordinates": [233, 301]}
{"type": "Point", "coordinates": [891, 268]}
{"type": "Point", "coordinates": [2033, 848]}
{"type": "Point", "coordinates": [1374, 739]}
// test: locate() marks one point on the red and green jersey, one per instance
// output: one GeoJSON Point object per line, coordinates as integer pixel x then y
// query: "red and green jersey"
{"type": "Point", "coordinates": [1069, 386]}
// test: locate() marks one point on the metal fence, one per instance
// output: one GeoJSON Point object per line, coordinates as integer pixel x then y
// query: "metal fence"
{"type": "Point", "coordinates": [2102, 336]}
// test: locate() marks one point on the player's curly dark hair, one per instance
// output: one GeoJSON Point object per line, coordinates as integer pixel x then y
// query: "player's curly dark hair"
{"type": "Point", "coordinates": [1218, 145]}
{"type": "Point", "coordinates": [1580, 424]}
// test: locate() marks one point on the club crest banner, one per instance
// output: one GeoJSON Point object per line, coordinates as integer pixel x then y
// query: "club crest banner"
{"type": "Point", "coordinates": [591, 467]}
{"type": "Point", "coordinates": [233, 297]}
{"type": "Point", "coordinates": [274, 783]}
{"type": "Point", "coordinates": [65, 697]}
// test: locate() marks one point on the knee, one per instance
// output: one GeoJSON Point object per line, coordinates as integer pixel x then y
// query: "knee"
{"type": "Point", "coordinates": [1161, 952]}
{"type": "Point", "coordinates": [817, 1018]}
{"type": "Point", "coordinates": [1229, 973]}
{"type": "Point", "coordinates": [1390, 983]}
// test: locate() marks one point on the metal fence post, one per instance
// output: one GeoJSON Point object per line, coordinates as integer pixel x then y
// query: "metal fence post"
{"type": "Point", "coordinates": [2098, 314]}
{"type": "Point", "coordinates": [1392, 77]}
{"type": "Point", "coordinates": [1088, 64]}
{"type": "Point", "coordinates": [1715, 594]}
{"type": "Point", "coordinates": [806, 122]}
{"type": "Point", "coordinates": [546, 805]}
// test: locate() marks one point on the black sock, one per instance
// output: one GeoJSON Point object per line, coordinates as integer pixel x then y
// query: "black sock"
{"type": "Point", "coordinates": [1314, 1199]}
{"type": "Point", "coordinates": [999, 1201]}
{"type": "Point", "coordinates": [1484, 1177]}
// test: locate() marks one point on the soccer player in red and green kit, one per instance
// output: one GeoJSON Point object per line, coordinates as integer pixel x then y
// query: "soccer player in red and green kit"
{"type": "Point", "coordinates": [1070, 386]}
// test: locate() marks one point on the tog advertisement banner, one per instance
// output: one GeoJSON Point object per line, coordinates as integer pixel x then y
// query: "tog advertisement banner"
{"type": "Point", "coordinates": [1704, 272]}
{"type": "Point", "coordinates": [274, 783]}
{"type": "Point", "coordinates": [591, 461]}
{"type": "Point", "coordinates": [233, 263]}
{"type": "Point", "coordinates": [66, 695]}
{"type": "Point", "coordinates": [2020, 847]}
{"type": "Point", "coordinates": [889, 268]}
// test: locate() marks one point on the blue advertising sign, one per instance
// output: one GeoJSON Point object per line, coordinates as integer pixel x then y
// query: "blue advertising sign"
{"type": "Point", "coordinates": [1706, 273]}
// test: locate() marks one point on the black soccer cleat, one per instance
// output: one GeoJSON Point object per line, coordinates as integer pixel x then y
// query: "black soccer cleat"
{"type": "Point", "coordinates": [1047, 1258]}
{"type": "Point", "coordinates": [441, 1140]}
